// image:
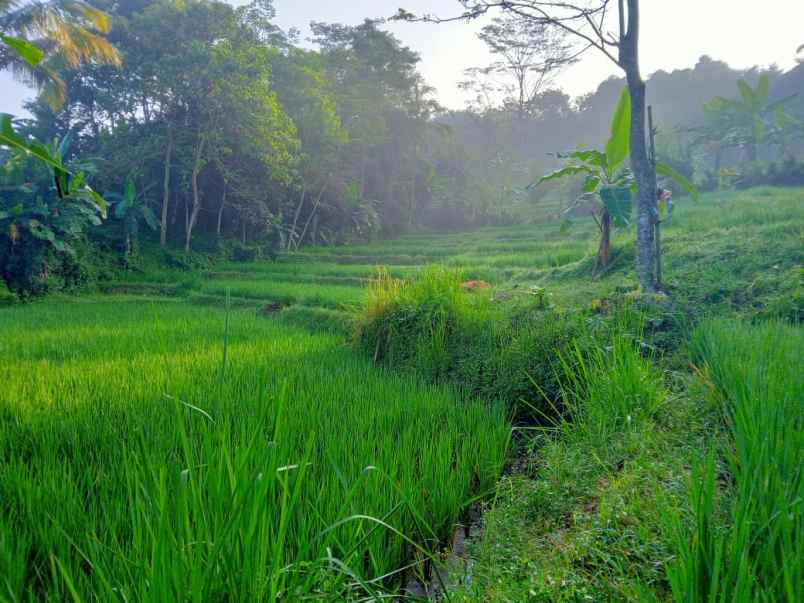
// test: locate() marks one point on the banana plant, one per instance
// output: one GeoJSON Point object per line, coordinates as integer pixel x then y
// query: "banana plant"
{"type": "Point", "coordinates": [42, 209]}
{"type": "Point", "coordinates": [609, 184]}
{"type": "Point", "coordinates": [131, 209]}
{"type": "Point", "coordinates": [750, 120]}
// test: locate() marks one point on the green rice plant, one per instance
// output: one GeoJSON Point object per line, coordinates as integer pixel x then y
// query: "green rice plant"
{"type": "Point", "coordinates": [132, 467]}
{"type": "Point", "coordinates": [309, 294]}
{"type": "Point", "coordinates": [409, 322]}
{"type": "Point", "coordinates": [756, 553]}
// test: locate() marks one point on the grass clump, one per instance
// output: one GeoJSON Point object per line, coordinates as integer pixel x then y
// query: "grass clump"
{"type": "Point", "coordinates": [430, 324]}
{"type": "Point", "coordinates": [746, 539]}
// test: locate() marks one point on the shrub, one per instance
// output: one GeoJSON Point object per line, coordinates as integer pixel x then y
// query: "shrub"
{"type": "Point", "coordinates": [243, 253]}
{"type": "Point", "coordinates": [431, 325]}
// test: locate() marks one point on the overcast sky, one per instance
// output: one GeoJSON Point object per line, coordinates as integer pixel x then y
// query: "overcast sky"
{"type": "Point", "coordinates": [674, 34]}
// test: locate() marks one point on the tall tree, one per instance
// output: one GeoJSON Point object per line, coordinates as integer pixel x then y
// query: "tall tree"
{"type": "Point", "coordinates": [529, 55]}
{"type": "Point", "coordinates": [587, 22]}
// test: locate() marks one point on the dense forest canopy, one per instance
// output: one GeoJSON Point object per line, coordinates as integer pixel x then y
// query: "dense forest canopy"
{"type": "Point", "coordinates": [225, 127]}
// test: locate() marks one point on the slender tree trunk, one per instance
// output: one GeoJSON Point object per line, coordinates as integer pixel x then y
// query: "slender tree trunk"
{"type": "Point", "coordinates": [220, 212]}
{"type": "Point", "coordinates": [657, 229]}
{"type": "Point", "coordinates": [640, 162]}
{"type": "Point", "coordinates": [312, 214]}
{"type": "Point", "coordinates": [363, 162]}
{"type": "Point", "coordinates": [199, 149]}
{"type": "Point", "coordinates": [296, 216]}
{"type": "Point", "coordinates": [163, 227]}
{"type": "Point", "coordinates": [314, 233]}
{"type": "Point", "coordinates": [604, 249]}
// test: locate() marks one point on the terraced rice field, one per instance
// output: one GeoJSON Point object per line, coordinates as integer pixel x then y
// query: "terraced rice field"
{"type": "Point", "coordinates": [176, 444]}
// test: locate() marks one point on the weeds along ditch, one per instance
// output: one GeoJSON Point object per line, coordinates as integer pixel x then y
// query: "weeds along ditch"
{"type": "Point", "coordinates": [148, 451]}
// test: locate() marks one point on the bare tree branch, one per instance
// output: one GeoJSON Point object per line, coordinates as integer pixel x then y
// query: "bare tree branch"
{"type": "Point", "coordinates": [574, 18]}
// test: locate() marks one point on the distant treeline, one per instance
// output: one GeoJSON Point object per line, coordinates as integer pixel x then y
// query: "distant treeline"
{"type": "Point", "coordinates": [229, 129]}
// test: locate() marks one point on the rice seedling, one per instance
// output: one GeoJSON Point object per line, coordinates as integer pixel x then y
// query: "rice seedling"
{"type": "Point", "coordinates": [133, 467]}
{"type": "Point", "coordinates": [746, 542]}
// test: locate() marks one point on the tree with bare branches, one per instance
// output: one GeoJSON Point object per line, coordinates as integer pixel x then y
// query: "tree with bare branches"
{"type": "Point", "coordinates": [528, 56]}
{"type": "Point", "coordinates": [589, 22]}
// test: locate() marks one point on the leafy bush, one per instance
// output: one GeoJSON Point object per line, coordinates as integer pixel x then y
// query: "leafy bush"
{"type": "Point", "coordinates": [242, 253]}
{"type": "Point", "coordinates": [431, 325]}
{"type": "Point", "coordinates": [44, 212]}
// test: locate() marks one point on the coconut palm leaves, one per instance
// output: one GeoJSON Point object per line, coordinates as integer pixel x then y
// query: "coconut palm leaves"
{"type": "Point", "coordinates": [39, 38]}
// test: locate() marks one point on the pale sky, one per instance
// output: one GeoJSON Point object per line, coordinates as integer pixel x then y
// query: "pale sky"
{"type": "Point", "coordinates": [675, 33]}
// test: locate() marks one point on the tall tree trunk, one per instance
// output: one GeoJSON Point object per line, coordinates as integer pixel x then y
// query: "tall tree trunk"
{"type": "Point", "coordinates": [640, 162]}
{"type": "Point", "coordinates": [196, 209]}
{"type": "Point", "coordinates": [163, 227]}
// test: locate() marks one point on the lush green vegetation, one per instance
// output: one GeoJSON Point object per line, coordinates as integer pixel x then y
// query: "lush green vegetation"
{"type": "Point", "coordinates": [266, 393]}
{"type": "Point", "coordinates": [757, 387]}
{"type": "Point", "coordinates": [155, 450]}
{"type": "Point", "coordinates": [105, 402]}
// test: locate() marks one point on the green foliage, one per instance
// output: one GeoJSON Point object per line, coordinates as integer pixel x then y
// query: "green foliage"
{"type": "Point", "coordinates": [756, 381]}
{"type": "Point", "coordinates": [131, 209]}
{"type": "Point", "coordinates": [11, 139]}
{"type": "Point", "coordinates": [431, 325]}
{"type": "Point", "coordinates": [618, 145]}
{"type": "Point", "coordinates": [608, 185]}
{"type": "Point", "coordinates": [28, 52]}
{"type": "Point", "coordinates": [751, 120]}
{"type": "Point", "coordinates": [43, 213]}
{"type": "Point", "coordinates": [305, 471]}
{"type": "Point", "coordinates": [667, 171]}
{"type": "Point", "coordinates": [585, 517]}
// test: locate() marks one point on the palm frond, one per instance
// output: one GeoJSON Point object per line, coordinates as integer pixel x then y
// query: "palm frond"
{"type": "Point", "coordinates": [70, 32]}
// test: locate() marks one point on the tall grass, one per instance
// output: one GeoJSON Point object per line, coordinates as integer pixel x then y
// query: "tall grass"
{"type": "Point", "coordinates": [410, 322]}
{"type": "Point", "coordinates": [130, 469]}
{"type": "Point", "coordinates": [607, 390]}
{"type": "Point", "coordinates": [758, 555]}
{"type": "Point", "coordinates": [429, 324]}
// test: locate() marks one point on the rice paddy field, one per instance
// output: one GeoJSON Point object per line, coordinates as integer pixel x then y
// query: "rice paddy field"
{"type": "Point", "coordinates": [150, 442]}
{"type": "Point", "coordinates": [739, 251]}
{"type": "Point", "coordinates": [214, 436]}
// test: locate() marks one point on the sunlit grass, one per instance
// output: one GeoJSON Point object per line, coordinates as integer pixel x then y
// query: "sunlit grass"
{"type": "Point", "coordinates": [758, 385]}
{"type": "Point", "coordinates": [137, 464]}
